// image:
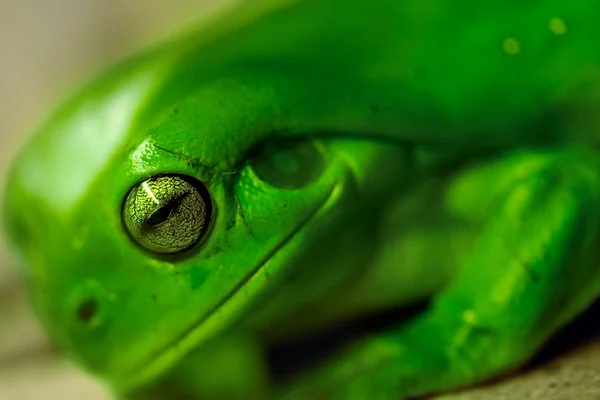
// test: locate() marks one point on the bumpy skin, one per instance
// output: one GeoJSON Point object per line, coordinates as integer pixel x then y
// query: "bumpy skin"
{"type": "Point", "coordinates": [358, 156]}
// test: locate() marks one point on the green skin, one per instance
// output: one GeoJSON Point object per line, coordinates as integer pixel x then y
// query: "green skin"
{"type": "Point", "coordinates": [353, 158]}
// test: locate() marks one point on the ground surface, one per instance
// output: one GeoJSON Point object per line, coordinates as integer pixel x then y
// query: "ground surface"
{"type": "Point", "coordinates": [47, 46]}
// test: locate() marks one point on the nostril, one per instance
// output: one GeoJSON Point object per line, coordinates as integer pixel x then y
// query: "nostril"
{"type": "Point", "coordinates": [86, 306]}
{"type": "Point", "coordinates": [87, 310]}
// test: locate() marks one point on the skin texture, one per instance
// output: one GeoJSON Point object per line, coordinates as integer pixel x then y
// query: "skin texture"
{"type": "Point", "coordinates": [294, 165]}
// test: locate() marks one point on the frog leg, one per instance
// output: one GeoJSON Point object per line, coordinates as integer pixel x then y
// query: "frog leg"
{"type": "Point", "coordinates": [532, 270]}
{"type": "Point", "coordinates": [199, 376]}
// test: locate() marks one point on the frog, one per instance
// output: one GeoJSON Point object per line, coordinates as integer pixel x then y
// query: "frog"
{"type": "Point", "coordinates": [291, 168]}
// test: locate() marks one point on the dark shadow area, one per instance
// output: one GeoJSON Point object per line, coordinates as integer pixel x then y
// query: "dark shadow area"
{"type": "Point", "coordinates": [292, 357]}
{"type": "Point", "coordinates": [580, 332]}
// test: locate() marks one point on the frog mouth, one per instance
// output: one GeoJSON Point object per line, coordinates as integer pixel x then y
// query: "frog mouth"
{"type": "Point", "coordinates": [217, 317]}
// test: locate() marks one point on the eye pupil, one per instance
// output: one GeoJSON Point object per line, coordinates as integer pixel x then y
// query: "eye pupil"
{"type": "Point", "coordinates": [160, 216]}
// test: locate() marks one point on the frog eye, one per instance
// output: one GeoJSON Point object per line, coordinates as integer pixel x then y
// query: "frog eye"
{"type": "Point", "coordinates": [289, 165]}
{"type": "Point", "coordinates": [167, 214]}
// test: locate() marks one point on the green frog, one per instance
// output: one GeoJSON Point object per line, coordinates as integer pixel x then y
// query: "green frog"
{"type": "Point", "coordinates": [292, 168]}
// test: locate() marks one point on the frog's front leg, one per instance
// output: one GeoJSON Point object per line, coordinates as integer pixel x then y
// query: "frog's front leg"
{"type": "Point", "coordinates": [200, 376]}
{"type": "Point", "coordinates": [533, 269]}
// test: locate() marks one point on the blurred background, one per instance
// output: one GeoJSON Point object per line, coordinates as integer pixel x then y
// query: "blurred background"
{"type": "Point", "coordinates": [47, 48]}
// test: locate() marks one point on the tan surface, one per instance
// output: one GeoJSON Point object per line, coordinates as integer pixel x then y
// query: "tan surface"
{"type": "Point", "coordinates": [50, 45]}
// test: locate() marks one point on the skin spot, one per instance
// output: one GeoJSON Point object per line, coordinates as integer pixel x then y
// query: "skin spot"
{"type": "Point", "coordinates": [557, 26]}
{"type": "Point", "coordinates": [77, 244]}
{"type": "Point", "coordinates": [470, 317]}
{"type": "Point", "coordinates": [511, 46]}
{"type": "Point", "coordinates": [229, 225]}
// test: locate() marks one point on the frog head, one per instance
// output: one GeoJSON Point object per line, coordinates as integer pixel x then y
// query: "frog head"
{"type": "Point", "coordinates": [151, 213]}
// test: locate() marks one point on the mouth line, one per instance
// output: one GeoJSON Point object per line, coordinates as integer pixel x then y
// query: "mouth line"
{"type": "Point", "coordinates": [144, 374]}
